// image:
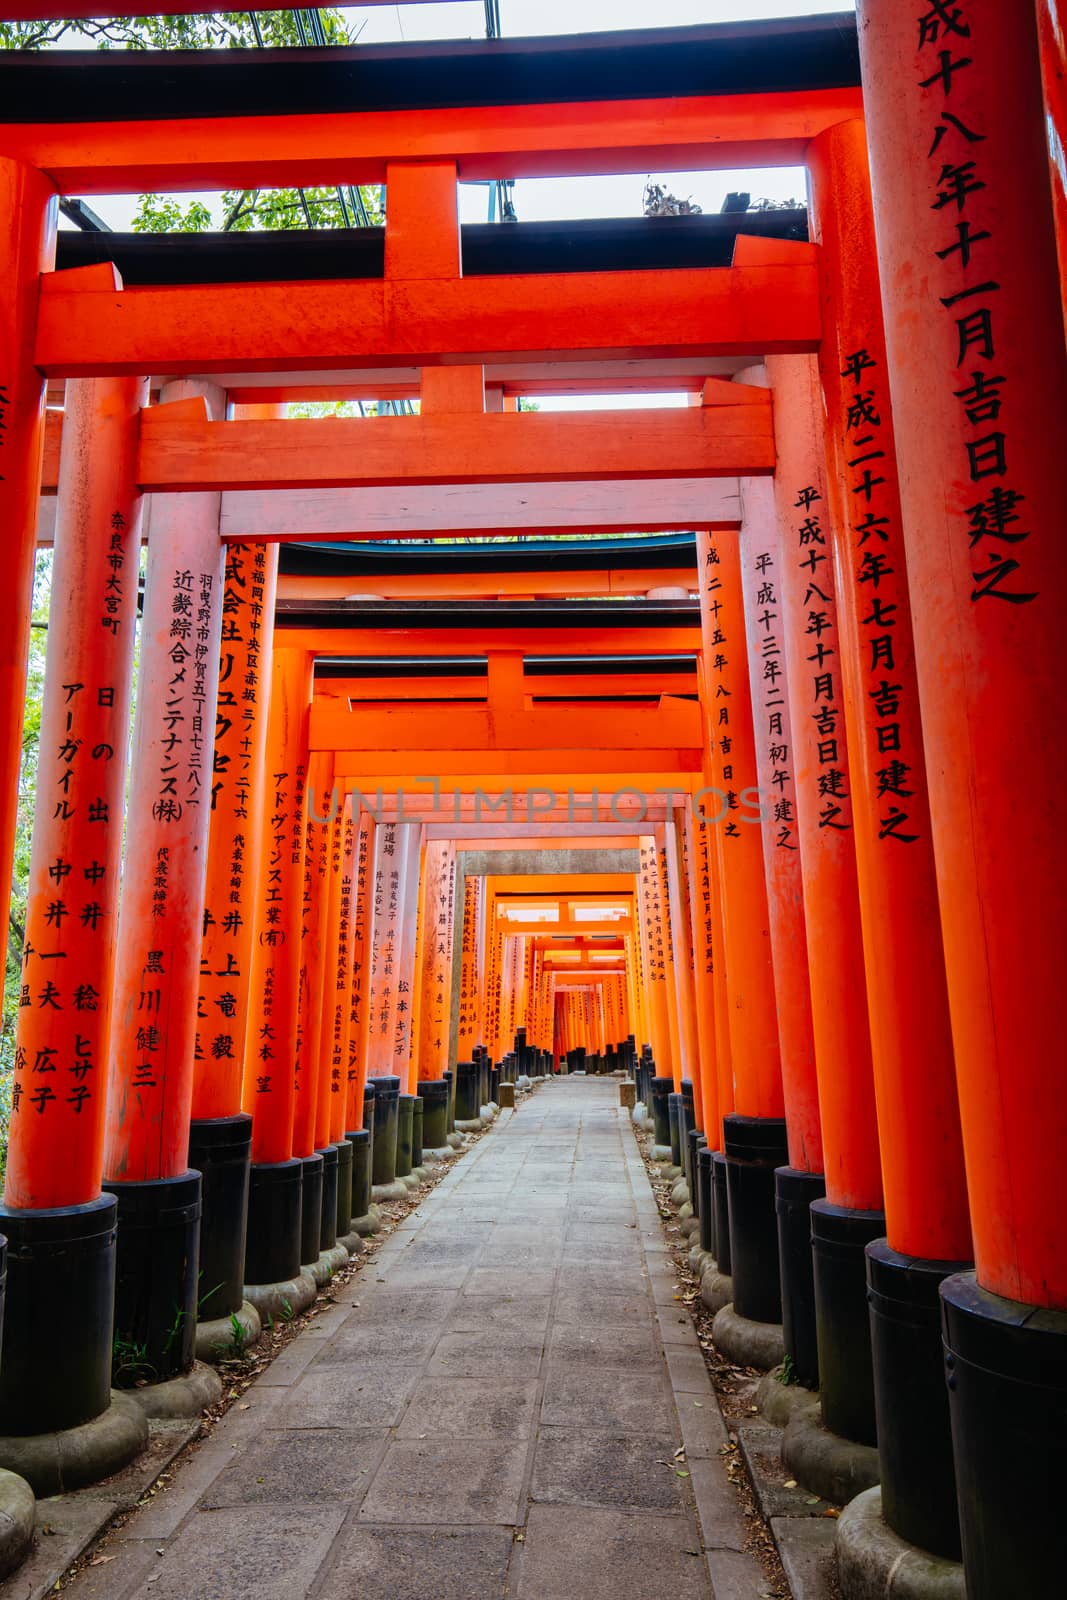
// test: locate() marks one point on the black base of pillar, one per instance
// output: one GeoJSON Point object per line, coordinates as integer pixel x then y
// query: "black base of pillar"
{"type": "Point", "coordinates": [1007, 1380]}
{"type": "Point", "coordinates": [404, 1117]}
{"type": "Point", "coordinates": [386, 1096]}
{"type": "Point", "coordinates": [695, 1142]}
{"type": "Point", "coordinates": [368, 1126]}
{"type": "Point", "coordinates": [416, 1131]}
{"type": "Point", "coordinates": [310, 1209]}
{"type": "Point", "coordinates": [839, 1240]}
{"type": "Point", "coordinates": [754, 1147]}
{"type": "Point", "coordinates": [720, 1205]}
{"type": "Point", "coordinates": [328, 1204]}
{"type": "Point", "coordinates": [448, 1077]}
{"type": "Point", "coordinates": [344, 1187]}
{"type": "Point", "coordinates": [674, 1125]}
{"type": "Point", "coordinates": [467, 1077]}
{"type": "Point", "coordinates": [359, 1141]}
{"type": "Point", "coordinates": [157, 1277]}
{"type": "Point", "coordinates": [911, 1400]}
{"type": "Point", "coordinates": [275, 1211]}
{"type": "Point", "coordinates": [793, 1193]}
{"type": "Point", "coordinates": [60, 1276]}
{"type": "Point", "coordinates": [434, 1097]}
{"type": "Point", "coordinates": [660, 1092]}
{"type": "Point", "coordinates": [220, 1149]}
{"type": "Point", "coordinates": [687, 1121]}
{"type": "Point", "coordinates": [705, 1189]}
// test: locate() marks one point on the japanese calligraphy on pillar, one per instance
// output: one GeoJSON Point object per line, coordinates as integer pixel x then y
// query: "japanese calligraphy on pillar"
{"type": "Point", "coordinates": [64, 997]}
{"type": "Point", "coordinates": [994, 525]}
{"type": "Point", "coordinates": [235, 829]}
{"type": "Point", "coordinates": [770, 709]}
{"type": "Point", "coordinates": [820, 689]}
{"type": "Point", "coordinates": [469, 1019]}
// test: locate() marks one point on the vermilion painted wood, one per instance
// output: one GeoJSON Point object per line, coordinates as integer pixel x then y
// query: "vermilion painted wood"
{"type": "Point", "coordinates": [672, 722]}
{"type": "Point", "coordinates": [270, 1050]}
{"type": "Point", "coordinates": [988, 667]}
{"type": "Point", "coordinates": [907, 995]}
{"type": "Point", "coordinates": [828, 856]}
{"type": "Point", "coordinates": [571, 138]}
{"type": "Point", "coordinates": [359, 963]}
{"type": "Point", "coordinates": [761, 580]}
{"type": "Point", "coordinates": [754, 1046]}
{"type": "Point", "coordinates": [27, 232]}
{"type": "Point", "coordinates": [308, 1106]}
{"type": "Point", "coordinates": [188, 452]}
{"type": "Point", "coordinates": [236, 830]}
{"type": "Point", "coordinates": [87, 326]}
{"type": "Point", "coordinates": [338, 984]}
{"type": "Point", "coordinates": [62, 1037]}
{"type": "Point", "coordinates": [390, 512]}
{"type": "Point", "coordinates": [157, 968]}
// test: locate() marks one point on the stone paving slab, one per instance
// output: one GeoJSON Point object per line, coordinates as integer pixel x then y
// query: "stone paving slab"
{"type": "Point", "coordinates": [508, 1404]}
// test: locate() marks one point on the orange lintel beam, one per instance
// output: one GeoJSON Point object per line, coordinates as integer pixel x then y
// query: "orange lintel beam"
{"type": "Point", "coordinates": [186, 451]}
{"type": "Point", "coordinates": [324, 642]}
{"type": "Point", "coordinates": [368, 691]}
{"type": "Point", "coordinates": [572, 138]}
{"type": "Point", "coordinates": [582, 727]}
{"type": "Point", "coordinates": [398, 585]}
{"type": "Point", "coordinates": [631, 767]}
{"type": "Point", "coordinates": [86, 326]}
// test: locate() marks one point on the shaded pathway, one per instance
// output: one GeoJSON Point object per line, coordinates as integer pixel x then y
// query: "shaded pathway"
{"type": "Point", "coordinates": [493, 1409]}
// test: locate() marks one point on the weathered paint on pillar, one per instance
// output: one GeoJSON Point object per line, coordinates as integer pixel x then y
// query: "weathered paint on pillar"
{"type": "Point", "coordinates": [761, 566]}
{"type": "Point", "coordinates": [978, 373]}
{"type": "Point", "coordinates": [907, 996]}
{"type": "Point", "coordinates": [274, 1010]}
{"type": "Point", "coordinates": [823, 788]}
{"type": "Point", "coordinates": [236, 828]}
{"type": "Point", "coordinates": [27, 248]}
{"type": "Point", "coordinates": [738, 844]}
{"type": "Point", "coordinates": [169, 810]}
{"type": "Point", "coordinates": [59, 1091]}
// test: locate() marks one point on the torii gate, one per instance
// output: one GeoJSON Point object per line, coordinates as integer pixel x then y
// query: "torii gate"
{"type": "Point", "coordinates": [905, 417]}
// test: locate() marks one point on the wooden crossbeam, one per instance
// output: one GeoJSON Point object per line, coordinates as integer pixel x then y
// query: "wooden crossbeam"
{"type": "Point", "coordinates": [180, 449]}
{"type": "Point", "coordinates": [764, 304]}
{"type": "Point", "coordinates": [477, 728]}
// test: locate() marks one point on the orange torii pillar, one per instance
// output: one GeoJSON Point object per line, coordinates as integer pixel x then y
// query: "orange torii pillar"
{"type": "Point", "coordinates": [359, 1105]}
{"type": "Point", "coordinates": [405, 1007]}
{"type": "Point", "coordinates": [690, 1111]}
{"type": "Point", "coordinates": [926, 1217]}
{"type": "Point", "coordinates": [27, 248]}
{"type": "Point", "coordinates": [53, 1208]}
{"type": "Point", "coordinates": [386, 913]}
{"type": "Point", "coordinates": [650, 914]}
{"type": "Point", "coordinates": [680, 1107]}
{"type": "Point", "coordinates": [801, 1181]}
{"type": "Point", "coordinates": [754, 1135]}
{"type": "Point", "coordinates": [272, 1259]}
{"type": "Point", "coordinates": [220, 1134]}
{"type": "Point", "coordinates": [978, 376]}
{"type": "Point", "coordinates": [337, 1017]}
{"type": "Point", "coordinates": [822, 785]}
{"type": "Point", "coordinates": [433, 972]}
{"type": "Point", "coordinates": [319, 1207]}
{"type": "Point", "coordinates": [697, 855]}
{"type": "Point", "coordinates": [470, 1028]}
{"type": "Point", "coordinates": [157, 971]}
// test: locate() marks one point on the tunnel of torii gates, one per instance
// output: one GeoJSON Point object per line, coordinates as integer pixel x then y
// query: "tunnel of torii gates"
{"type": "Point", "coordinates": [768, 812]}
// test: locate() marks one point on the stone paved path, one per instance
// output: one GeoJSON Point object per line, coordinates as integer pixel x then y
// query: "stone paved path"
{"type": "Point", "coordinates": [492, 1410]}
